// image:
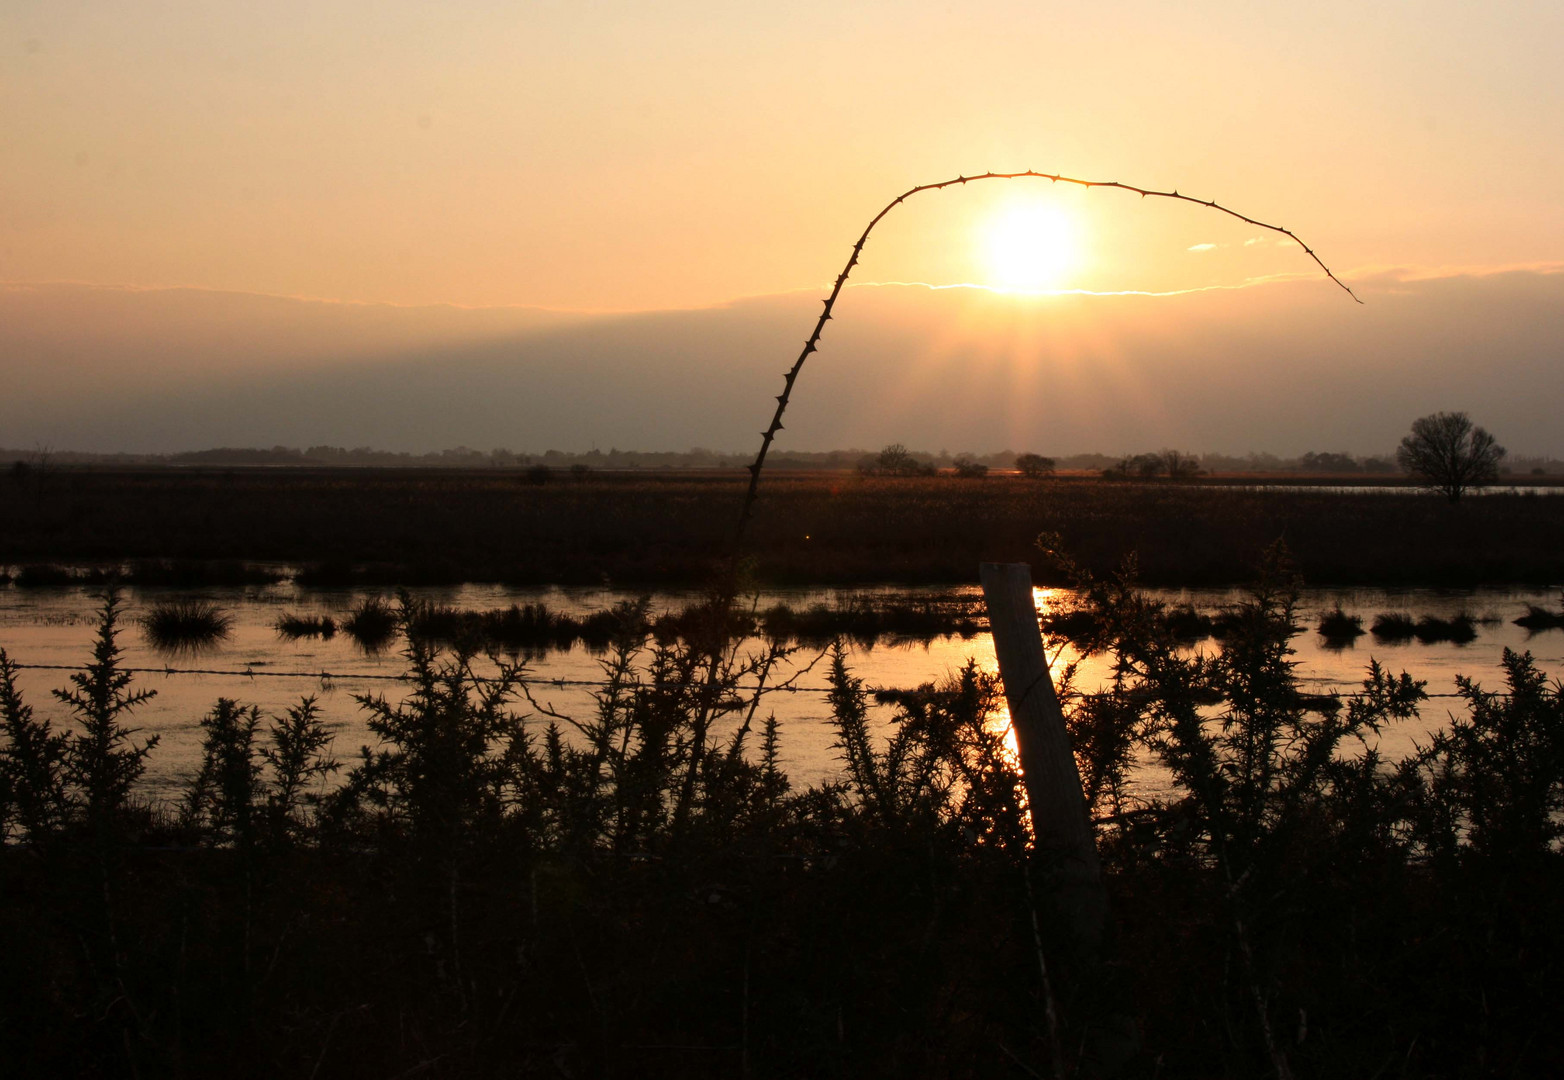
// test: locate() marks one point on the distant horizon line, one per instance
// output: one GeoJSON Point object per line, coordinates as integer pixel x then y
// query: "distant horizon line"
{"type": "Point", "coordinates": [1397, 273]}
{"type": "Point", "coordinates": [694, 457]}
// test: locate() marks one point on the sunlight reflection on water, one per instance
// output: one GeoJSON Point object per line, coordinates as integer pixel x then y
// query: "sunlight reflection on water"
{"type": "Point", "coordinates": [55, 626]}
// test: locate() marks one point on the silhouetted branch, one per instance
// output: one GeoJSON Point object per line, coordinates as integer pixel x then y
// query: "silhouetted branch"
{"type": "Point", "coordinates": [791, 377]}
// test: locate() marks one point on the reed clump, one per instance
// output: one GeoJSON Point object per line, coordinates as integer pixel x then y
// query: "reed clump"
{"type": "Point", "coordinates": [372, 623]}
{"type": "Point", "coordinates": [1460, 629]}
{"type": "Point", "coordinates": [1338, 628]}
{"type": "Point", "coordinates": [293, 626]}
{"type": "Point", "coordinates": [180, 573]}
{"type": "Point", "coordinates": [186, 626]}
{"type": "Point", "coordinates": [1541, 618]}
{"type": "Point", "coordinates": [1393, 627]}
{"type": "Point", "coordinates": [533, 628]}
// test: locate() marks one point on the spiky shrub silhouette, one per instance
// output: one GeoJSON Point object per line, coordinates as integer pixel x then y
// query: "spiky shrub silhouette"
{"type": "Point", "coordinates": [34, 800]}
{"type": "Point", "coordinates": [250, 789]}
{"type": "Point", "coordinates": [1268, 785]}
{"type": "Point", "coordinates": [1493, 780]}
{"type": "Point", "coordinates": [664, 757]}
{"type": "Point", "coordinates": [1283, 889]}
{"type": "Point", "coordinates": [223, 795]}
{"type": "Point", "coordinates": [943, 766]}
{"type": "Point", "coordinates": [443, 769]}
{"type": "Point", "coordinates": [103, 761]}
{"type": "Point", "coordinates": [300, 757]}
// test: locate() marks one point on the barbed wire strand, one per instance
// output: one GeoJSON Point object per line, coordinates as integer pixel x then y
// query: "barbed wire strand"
{"type": "Point", "coordinates": [344, 676]}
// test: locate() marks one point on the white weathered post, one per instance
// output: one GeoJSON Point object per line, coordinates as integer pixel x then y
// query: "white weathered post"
{"type": "Point", "coordinates": [1060, 825]}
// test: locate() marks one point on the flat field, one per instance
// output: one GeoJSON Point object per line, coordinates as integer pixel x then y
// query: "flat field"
{"type": "Point", "coordinates": [407, 525]}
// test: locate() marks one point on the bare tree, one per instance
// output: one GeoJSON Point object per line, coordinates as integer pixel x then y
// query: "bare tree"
{"type": "Point", "coordinates": [970, 468]}
{"type": "Point", "coordinates": [896, 460]}
{"type": "Point", "coordinates": [1450, 454]}
{"type": "Point", "coordinates": [1181, 466]}
{"type": "Point", "coordinates": [1034, 466]}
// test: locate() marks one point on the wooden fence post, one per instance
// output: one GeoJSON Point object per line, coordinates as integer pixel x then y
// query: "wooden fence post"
{"type": "Point", "coordinates": [1060, 825]}
{"type": "Point", "coordinates": [1061, 828]}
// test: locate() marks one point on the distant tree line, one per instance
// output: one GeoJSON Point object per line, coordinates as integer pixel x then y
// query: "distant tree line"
{"type": "Point", "coordinates": [906, 462]}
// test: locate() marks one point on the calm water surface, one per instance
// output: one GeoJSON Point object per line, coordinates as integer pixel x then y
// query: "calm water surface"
{"type": "Point", "coordinates": [56, 626]}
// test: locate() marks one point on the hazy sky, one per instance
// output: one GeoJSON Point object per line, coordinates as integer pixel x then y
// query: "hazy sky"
{"type": "Point", "coordinates": [633, 157]}
{"type": "Point", "coordinates": [1283, 366]}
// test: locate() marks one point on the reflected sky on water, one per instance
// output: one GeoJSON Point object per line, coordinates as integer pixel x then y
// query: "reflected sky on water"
{"type": "Point", "coordinates": [56, 626]}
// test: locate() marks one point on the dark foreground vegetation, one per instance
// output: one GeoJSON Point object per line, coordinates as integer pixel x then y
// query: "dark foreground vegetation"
{"type": "Point", "coordinates": [643, 892]}
{"type": "Point", "coordinates": [438, 526]}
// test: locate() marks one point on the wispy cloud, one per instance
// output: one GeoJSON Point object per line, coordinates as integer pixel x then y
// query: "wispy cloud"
{"type": "Point", "coordinates": [1202, 247]}
{"type": "Point", "coordinates": [1247, 283]}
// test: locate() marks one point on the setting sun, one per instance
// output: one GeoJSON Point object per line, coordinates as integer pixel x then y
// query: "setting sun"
{"type": "Point", "coordinates": [1030, 248]}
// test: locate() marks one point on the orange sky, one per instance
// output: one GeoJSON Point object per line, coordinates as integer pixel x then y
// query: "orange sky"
{"type": "Point", "coordinates": [618, 156]}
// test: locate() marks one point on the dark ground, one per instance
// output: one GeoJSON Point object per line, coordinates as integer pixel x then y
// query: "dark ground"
{"type": "Point", "coordinates": [410, 526]}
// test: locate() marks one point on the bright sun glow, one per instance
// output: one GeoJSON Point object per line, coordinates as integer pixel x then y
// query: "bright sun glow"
{"type": "Point", "coordinates": [1030, 248]}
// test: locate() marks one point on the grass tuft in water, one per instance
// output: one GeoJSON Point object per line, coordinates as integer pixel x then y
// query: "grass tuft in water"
{"type": "Point", "coordinates": [1339, 629]}
{"type": "Point", "coordinates": [1460, 629]}
{"type": "Point", "coordinates": [293, 626]}
{"type": "Point", "coordinates": [186, 626]}
{"type": "Point", "coordinates": [1539, 618]}
{"type": "Point", "coordinates": [1394, 626]}
{"type": "Point", "coordinates": [372, 624]}
{"type": "Point", "coordinates": [1397, 626]}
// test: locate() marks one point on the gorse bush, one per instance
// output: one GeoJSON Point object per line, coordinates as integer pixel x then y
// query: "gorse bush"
{"type": "Point", "coordinates": [223, 797]}
{"type": "Point", "coordinates": [299, 757]}
{"type": "Point", "coordinates": [252, 788]}
{"type": "Point", "coordinates": [1493, 780]}
{"type": "Point", "coordinates": [448, 762]}
{"type": "Point", "coordinates": [498, 884]}
{"type": "Point", "coordinates": [102, 760]}
{"type": "Point", "coordinates": [33, 794]}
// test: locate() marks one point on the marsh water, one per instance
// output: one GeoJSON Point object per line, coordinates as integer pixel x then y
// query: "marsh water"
{"type": "Point", "coordinates": [51, 631]}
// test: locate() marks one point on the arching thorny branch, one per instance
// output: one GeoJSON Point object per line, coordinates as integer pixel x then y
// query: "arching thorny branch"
{"type": "Point", "coordinates": [813, 344]}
